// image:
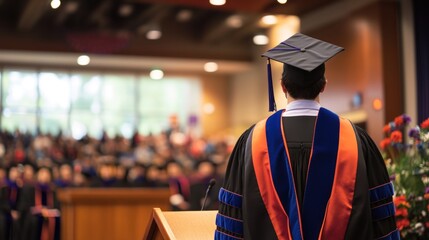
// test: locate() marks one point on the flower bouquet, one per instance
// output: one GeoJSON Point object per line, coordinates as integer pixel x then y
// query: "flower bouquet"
{"type": "Point", "coordinates": [406, 157]}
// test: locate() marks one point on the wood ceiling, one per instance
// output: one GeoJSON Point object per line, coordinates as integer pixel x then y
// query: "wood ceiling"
{"type": "Point", "coordinates": [190, 28]}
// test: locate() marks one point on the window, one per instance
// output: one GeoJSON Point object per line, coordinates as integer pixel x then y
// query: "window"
{"type": "Point", "coordinates": [54, 102]}
{"type": "Point", "coordinates": [160, 99]}
{"type": "Point", "coordinates": [90, 103]}
{"type": "Point", "coordinates": [19, 99]}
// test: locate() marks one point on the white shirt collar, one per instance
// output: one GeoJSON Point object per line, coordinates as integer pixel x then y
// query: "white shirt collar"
{"type": "Point", "coordinates": [302, 108]}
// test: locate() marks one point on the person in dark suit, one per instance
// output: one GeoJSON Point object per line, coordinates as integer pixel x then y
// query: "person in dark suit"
{"type": "Point", "coordinates": [39, 208]}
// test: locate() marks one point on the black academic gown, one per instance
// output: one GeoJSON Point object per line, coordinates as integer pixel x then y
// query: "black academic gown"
{"type": "Point", "coordinates": [34, 225]}
{"type": "Point", "coordinates": [9, 195]}
{"type": "Point", "coordinates": [243, 208]}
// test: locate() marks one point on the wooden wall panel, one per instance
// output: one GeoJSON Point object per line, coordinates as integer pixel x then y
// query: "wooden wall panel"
{"type": "Point", "coordinates": [370, 63]}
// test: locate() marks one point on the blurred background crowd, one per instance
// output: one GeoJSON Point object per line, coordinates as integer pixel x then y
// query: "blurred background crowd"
{"type": "Point", "coordinates": [34, 167]}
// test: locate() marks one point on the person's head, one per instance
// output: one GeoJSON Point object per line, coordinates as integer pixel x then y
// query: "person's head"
{"type": "Point", "coordinates": [303, 59]}
{"type": "Point", "coordinates": [107, 171]}
{"type": "Point", "coordinates": [28, 174]}
{"type": "Point", "coordinates": [13, 173]}
{"type": "Point", "coordinates": [206, 168]}
{"type": "Point", "coordinates": [152, 173]}
{"type": "Point", "coordinates": [44, 176]}
{"type": "Point", "coordinates": [66, 172]}
{"type": "Point", "coordinates": [121, 172]}
{"type": "Point", "coordinates": [174, 169]}
{"type": "Point", "coordinates": [301, 84]}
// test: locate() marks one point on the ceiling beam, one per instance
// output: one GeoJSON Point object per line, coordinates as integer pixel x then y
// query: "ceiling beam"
{"type": "Point", "coordinates": [98, 16]}
{"type": "Point", "coordinates": [147, 15]}
{"type": "Point", "coordinates": [214, 29]}
{"type": "Point", "coordinates": [31, 14]}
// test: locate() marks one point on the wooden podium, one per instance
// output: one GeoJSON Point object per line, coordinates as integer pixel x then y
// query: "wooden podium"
{"type": "Point", "coordinates": [114, 214]}
{"type": "Point", "coordinates": [187, 225]}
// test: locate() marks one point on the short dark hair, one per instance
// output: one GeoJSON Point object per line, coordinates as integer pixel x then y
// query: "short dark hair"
{"type": "Point", "coordinates": [298, 91]}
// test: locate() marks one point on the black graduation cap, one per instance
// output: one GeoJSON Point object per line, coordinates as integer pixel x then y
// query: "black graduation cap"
{"type": "Point", "coordinates": [303, 58]}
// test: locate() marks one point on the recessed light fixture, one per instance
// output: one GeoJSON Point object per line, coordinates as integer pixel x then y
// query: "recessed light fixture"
{"type": "Point", "coordinates": [269, 19]}
{"type": "Point", "coordinates": [184, 15]}
{"type": "Point", "coordinates": [260, 39]}
{"type": "Point", "coordinates": [55, 4]}
{"type": "Point", "coordinates": [211, 67]}
{"type": "Point", "coordinates": [153, 34]}
{"type": "Point", "coordinates": [71, 7]}
{"type": "Point", "coordinates": [83, 60]}
{"type": "Point", "coordinates": [234, 21]}
{"type": "Point", "coordinates": [156, 74]}
{"type": "Point", "coordinates": [282, 1]}
{"type": "Point", "coordinates": [217, 2]}
{"type": "Point", "coordinates": [125, 10]}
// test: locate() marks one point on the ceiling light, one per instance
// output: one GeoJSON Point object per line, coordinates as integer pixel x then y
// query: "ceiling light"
{"type": "Point", "coordinates": [282, 1]}
{"type": "Point", "coordinates": [234, 21]}
{"type": "Point", "coordinates": [269, 19]}
{"type": "Point", "coordinates": [184, 15]}
{"type": "Point", "coordinates": [208, 108]}
{"type": "Point", "coordinates": [153, 34]}
{"type": "Point", "coordinates": [156, 74]}
{"type": "Point", "coordinates": [55, 4]}
{"type": "Point", "coordinates": [260, 39]}
{"type": "Point", "coordinates": [71, 7]}
{"type": "Point", "coordinates": [217, 2]}
{"type": "Point", "coordinates": [125, 10]}
{"type": "Point", "coordinates": [83, 60]}
{"type": "Point", "coordinates": [210, 67]}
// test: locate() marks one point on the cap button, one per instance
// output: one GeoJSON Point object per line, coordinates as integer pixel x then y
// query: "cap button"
{"type": "Point", "coordinates": [303, 49]}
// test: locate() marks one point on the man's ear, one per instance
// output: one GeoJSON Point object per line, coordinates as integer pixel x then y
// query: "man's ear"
{"type": "Point", "coordinates": [283, 87]}
{"type": "Point", "coordinates": [324, 86]}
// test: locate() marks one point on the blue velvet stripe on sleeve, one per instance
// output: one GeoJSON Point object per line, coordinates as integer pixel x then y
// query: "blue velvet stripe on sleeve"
{"type": "Point", "coordinates": [224, 236]}
{"type": "Point", "coordinates": [230, 224]}
{"type": "Point", "coordinates": [383, 211]}
{"type": "Point", "coordinates": [230, 198]}
{"type": "Point", "coordinates": [381, 192]}
{"type": "Point", "coordinates": [395, 235]}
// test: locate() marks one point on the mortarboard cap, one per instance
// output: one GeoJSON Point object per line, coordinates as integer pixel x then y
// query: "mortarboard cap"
{"type": "Point", "coordinates": [303, 59]}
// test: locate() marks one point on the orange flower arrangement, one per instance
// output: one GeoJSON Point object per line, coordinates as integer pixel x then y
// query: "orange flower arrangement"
{"type": "Point", "coordinates": [396, 136]}
{"type": "Point", "coordinates": [401, 212]}
{"type": "Point", "coordinates": [407, 160]}
{"type": "Point", "coordinates": [425, 124]}
{"type": "Point", "coordinates": [403, 223]}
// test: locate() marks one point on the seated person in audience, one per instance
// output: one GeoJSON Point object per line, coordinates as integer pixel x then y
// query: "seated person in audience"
{"type": "Point", "coordinates": [121, 175]}
{"type": "Point", "coordinates": [205, 171]}
{"type": "Point", "coordinates": [65, 176]}
{"type": "Point", "coordinates": [106, 174]}
{"type": "Point", "coordinates": [152, 176]}
{"type": "Point", "coordinates": [136, 176]}
{"type": "Point", "coordinates": [80, 180]}
{"type": "Point", "coordinates": [39, 209]}
{"type": "Point", "coordinates": [179, 186]}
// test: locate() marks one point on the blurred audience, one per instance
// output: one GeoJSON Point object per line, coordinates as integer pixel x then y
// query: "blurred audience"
{"type": "Point", "coordinates": [171, 159]}
{"type": "Point", "coordinates": [32, 168]}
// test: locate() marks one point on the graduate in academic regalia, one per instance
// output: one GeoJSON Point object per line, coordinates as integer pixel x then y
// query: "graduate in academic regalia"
{"type": "Point", "coordinates": [65, 178]}
{"type": "Point", "coordinates": [179, 186]}
{"type": "Point", "coordinates": [40, 209]}
{"type": "Point", "coordinates": [10, 191]}
{"type": "Point", "coordinates": [304, 172]}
